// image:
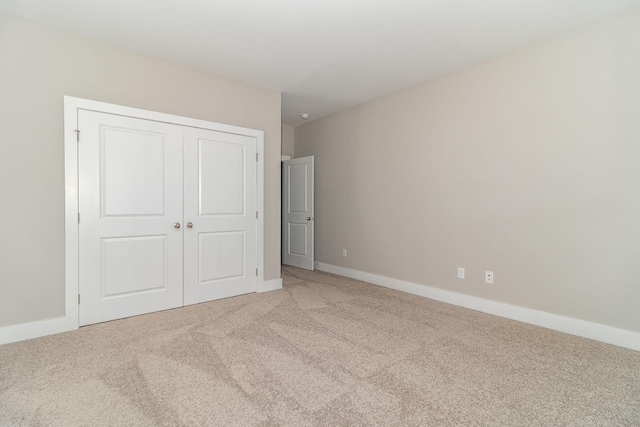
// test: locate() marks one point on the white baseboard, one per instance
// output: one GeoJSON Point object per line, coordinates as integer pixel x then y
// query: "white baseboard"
{"type": "Point", "coordinates": [27, 331]}
{"type": "Point", "coordinates": [582, 328]}
{"type": "Point", "coordinates": [270, 285]}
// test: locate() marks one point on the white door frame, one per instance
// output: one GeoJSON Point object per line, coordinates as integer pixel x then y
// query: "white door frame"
{"type": "Point", "coordinates": [71, 107]}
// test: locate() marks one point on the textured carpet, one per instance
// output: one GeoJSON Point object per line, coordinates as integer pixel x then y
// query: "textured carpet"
{"type": "Point", "coordinates": [325, 350]}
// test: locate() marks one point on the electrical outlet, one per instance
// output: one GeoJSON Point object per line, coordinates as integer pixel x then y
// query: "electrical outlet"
{"type": "Point", "coordinates": [344, 252]}
{"type": "Point", "coordinates": [460, 272]}
{"type": "Point", "coordinates": [488, 276]}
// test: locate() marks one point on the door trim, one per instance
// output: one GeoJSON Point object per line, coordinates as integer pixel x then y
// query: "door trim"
{"type": "Point", "coordinates": [71, 107]}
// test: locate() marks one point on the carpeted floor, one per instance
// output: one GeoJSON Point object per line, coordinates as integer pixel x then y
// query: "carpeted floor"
{"type": "Point", "coordinates": [325, 350]}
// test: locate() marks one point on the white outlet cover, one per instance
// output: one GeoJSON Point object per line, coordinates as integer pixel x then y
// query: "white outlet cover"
{"type": "Point", "coordinates": [488, 276]}
{"type": "Point", "coordinates": [460, 272]}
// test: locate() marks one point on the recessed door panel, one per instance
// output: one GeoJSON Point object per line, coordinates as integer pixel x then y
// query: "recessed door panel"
{"type": "Point", "coordinates": [130, 197]}
{"type": "Point", "coordinates": [220, 203]}
{"type": "Point", "coordinates": [132, 166]}
{"type": "Point", "coordinates": [221, 165]}
{"type": "Point", "coordinates": [298, 188]}
{"type": "Point", "coordinates": [221, 255]}
{"type": "Point", "coordinates": [133, 265]}
{"type": "Point", "coordinates": [298, 239]}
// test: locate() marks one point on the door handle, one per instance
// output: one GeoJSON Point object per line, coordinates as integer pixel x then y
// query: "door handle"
{"type": "Point", "coordinates": [309, 218]}
{"type": "Point", "coordinates": [189, 225]}
{"type": "Point", "coordinates": [176, 225]}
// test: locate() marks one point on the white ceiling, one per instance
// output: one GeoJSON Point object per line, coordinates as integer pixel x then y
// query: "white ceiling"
{"type": "Point", "coordinates": [324, 55]}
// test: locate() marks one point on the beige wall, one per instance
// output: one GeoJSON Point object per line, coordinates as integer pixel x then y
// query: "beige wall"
{"type": "Point", "coordinates": [287, 141]}
{"type": "Point", "coordinates": [527, 165]}
{"type": "Point", "coordinates": [38, 66]}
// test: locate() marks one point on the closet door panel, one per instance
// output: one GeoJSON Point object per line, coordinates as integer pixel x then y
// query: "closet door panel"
{"type": "Point", "coordinates": [130, 197]}
{"type": "Point", "coordinates": [220, 213]}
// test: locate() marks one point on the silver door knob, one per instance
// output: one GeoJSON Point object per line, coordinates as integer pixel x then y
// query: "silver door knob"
{"type": "Point", "coordinates": [176, 225]}
{"type": "Point", "coordinates": [189, 225]}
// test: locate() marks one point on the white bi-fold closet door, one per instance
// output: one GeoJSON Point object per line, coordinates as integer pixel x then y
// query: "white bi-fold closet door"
{"type": "Point", "coordinates": [167, 215]}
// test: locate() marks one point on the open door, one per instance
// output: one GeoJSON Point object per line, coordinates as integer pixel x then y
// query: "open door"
{"type": "Point", "coordinates": [297, 212]}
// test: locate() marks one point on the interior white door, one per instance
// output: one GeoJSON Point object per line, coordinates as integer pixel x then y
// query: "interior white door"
{"type": "Point", "coordinates": [220, 208]}
{"type": "Point", "coordinates": [298, 212]}
{"type": "Point", "coordinates": [130, 197]}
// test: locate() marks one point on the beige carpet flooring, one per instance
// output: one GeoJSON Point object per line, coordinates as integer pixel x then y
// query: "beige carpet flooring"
{"type": "Point", "coordinates": [325, 351]}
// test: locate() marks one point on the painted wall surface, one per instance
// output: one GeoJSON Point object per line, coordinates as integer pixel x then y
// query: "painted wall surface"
{"type": "Point", "coordinates": [287, 141]}
{"type": "Point", "coordinates": [527, 165]}
{"type": "Point", "coordinates": [38, 66]}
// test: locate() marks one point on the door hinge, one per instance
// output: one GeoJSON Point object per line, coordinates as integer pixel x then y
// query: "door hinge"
{"type": "Point", "coordinates": [257, 156]}
{"type": "Point", "coordinates": [256, 271]}
{"type": "Point", "coordinates": [77, 135]}
{"type": "Point", "coordinates": [78, 299]}
{"type": "Point", "coordinates": [78, 217]}
{"type": "Point", "coordinates": [256, 214]}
